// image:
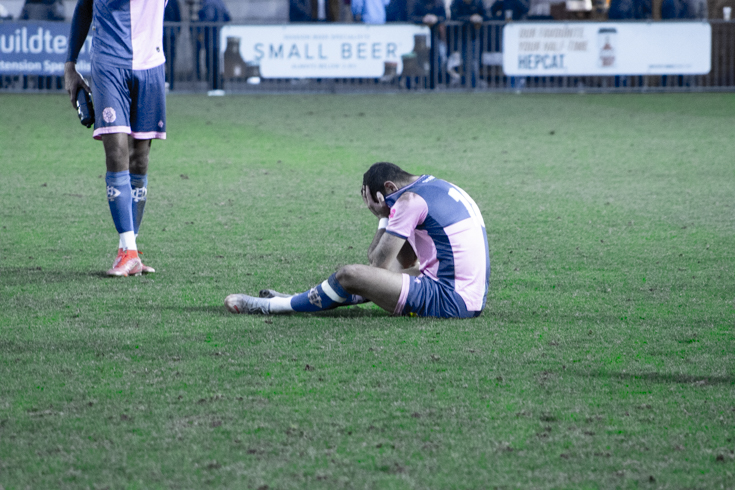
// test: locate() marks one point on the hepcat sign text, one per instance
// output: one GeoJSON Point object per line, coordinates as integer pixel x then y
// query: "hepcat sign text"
{"type": "Point", "coordinates": [322, 51]}
{"type": "Point", "coordinates": [594, 48]}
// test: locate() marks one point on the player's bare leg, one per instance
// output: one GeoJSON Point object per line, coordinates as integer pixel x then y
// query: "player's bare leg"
{"type": "Point", "coordinates": [352, 284]}
{"type": "Point", "coordinates": [139, 151]}
{"type": "Point", "coordinates": [119, 195]}
{"type": "Point", "coordinates": [381, 286]}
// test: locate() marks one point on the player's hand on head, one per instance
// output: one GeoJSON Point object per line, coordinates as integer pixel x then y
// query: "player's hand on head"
{"type": "Point", "coordinates": [73, 81]}
{"type": "Point", "coordinates": [379, 208]}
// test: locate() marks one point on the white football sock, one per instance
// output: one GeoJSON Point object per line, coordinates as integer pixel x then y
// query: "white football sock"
{"type": "Point", "coordinates": [281, 305]}
{"type": "Point", "coordinates": [127, 241]}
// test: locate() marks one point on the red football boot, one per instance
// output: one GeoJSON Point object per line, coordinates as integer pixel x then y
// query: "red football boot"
{"type": "Point", "coordinates": [127, 263]}
{"type": "Point", "coordinates": [146, 269]}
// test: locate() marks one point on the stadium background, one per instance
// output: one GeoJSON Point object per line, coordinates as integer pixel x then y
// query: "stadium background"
{"type": "Point", "coordinates": [604, 358]}
{"type": "Point", "coordinates": [451, 58]}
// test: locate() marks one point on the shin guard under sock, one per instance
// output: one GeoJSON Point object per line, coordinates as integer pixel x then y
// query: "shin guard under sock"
{"type": "Point", "coordinates": [139, 191]}
{"type": "Point", "coordinates": [120, 198]}
{"type": "Point", "coordinates": [327, 295]}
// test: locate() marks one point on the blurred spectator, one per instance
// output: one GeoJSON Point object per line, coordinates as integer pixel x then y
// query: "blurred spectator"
{"type": "Point", "coordinates": [432, 14]}
{"type": "Point", "coordinates": [428, 12]}
{"type": "Point", "coordinates": [171, 14]}
{"type": "Point", "coordinates": [539, 10]}
{"type": "Point", "coordinates": [208, 37]}
{"type": "Point", "coordinates": [43, 10]}
{"type": "Point", "coordinates": [396, 11]}
{"type": "Point", "coordinates": [314, 10]}
{"type": "Point", "coordinates": [325, 10]}
{"type": "Point", "coordinates": [629, 9]}
{"type": "Point", "coordinates": [369, 11]}
{"type": "Point", "coordinates": [299, 11]}
{"type": "Point", "coordinates": [670, 9]}
{"type": "Point", "coordinates": [693, 9]}
{"type": "Point", "coordinates": [472, 14]}
{"type": "Point", "coordinates": [519, 9]}
{"type": "Point", "coordinates": [468, 11]}
{"type": "Point", "coordinates": [683, 9]}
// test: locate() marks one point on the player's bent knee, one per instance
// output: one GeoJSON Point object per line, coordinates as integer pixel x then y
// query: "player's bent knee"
{"type": "Point", "coordinates": [350, 276]}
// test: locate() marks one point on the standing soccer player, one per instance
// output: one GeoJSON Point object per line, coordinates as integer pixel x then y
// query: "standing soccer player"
{"type": "Point", "coordinates": [128, 76]}
{"type": "Point", "coordinates": [429, 256]}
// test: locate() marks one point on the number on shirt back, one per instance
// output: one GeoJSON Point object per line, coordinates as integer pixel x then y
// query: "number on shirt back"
{"type": "Point", "coordinates": [461, 196]}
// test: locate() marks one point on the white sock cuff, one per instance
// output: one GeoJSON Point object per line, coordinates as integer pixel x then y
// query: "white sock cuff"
{"type": "Point", "coordinates": [281, 305]}
{"type": "Point", "coordinates": [332, 293]}
{"type": "Point", "coordinates": [127, 241]}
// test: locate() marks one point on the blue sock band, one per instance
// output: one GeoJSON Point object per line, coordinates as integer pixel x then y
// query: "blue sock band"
{"type": "Point", "coordinates": [120, 198]}
{"type": "Point", "coordinates": [139, 185]}
{"type": "Point", "coordinates": [351, 299]}
{"type": "Point", "coordinates": [316, 299]}
{"type": "Point", "coordinates": [337, 286]}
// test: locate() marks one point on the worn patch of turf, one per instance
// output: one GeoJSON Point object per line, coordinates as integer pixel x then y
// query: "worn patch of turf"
{"type": "Point", "coordinates": [604, 359]}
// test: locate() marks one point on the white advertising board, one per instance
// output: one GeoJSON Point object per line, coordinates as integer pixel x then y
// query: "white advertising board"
{"type": "Point", "coordinates": [609, 48]}
{"type": "Point", "coordinates": [323, 51]}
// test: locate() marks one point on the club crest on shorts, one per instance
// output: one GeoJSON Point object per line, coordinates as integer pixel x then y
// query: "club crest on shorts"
{"type": "Point", "coordinates": [314, 298]}
{"type": "Point", "coordinates": [109, 115]}
{"type": "Point", "coordinates": [160, 124]}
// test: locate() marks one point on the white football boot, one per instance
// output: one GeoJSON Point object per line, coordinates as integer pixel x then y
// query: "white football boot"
{"type": "Point", "coordinates": [242, 303]}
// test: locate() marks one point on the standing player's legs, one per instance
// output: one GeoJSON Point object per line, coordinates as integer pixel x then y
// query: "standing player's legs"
{"type": "Point", "coordinates": [127, 167]}
{"type": "Point", "coordinates": [112, 125]}
{"type": "Point", "coordinates": [147, 122]}
{"type": "Point", "coordinates": [139, 151]}
{"type": "Point", "coordinates": [352, 284]}
{"type": "Point", "coordinates": [133, 111]}
{"type": "Point", "coordinates": [120, 199]}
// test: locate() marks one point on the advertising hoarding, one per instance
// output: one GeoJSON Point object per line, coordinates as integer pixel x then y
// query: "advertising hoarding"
{"type": "Point", "coordinates": [609, 48]}
{"type": "Point", "coordinates": [38, 48]}
{"type": "Point", "coordinates": [322, 51]}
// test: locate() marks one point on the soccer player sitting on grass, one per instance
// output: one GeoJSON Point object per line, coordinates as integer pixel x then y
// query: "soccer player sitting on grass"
{"type": "Point", "coordinates": [429, 256]}
{"type": "Point", "coordinates": [130, 100]}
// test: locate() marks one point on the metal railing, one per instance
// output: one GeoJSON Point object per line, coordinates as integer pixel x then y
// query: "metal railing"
{"type": "Point", "coordinates": [459, 57]}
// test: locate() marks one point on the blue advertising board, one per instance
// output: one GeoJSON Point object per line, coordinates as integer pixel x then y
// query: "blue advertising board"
{"type": "Point", "coordinates": [38, 48]}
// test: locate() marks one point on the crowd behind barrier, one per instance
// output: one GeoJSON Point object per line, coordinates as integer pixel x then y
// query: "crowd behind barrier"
{"type": "Point", "coordinates": [460, 59]}
{"type": "Point", "coordinates": [463, 53]}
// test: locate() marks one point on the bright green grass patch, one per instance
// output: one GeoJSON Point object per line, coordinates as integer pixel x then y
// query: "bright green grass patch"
{"type": "Point", "coordinates": [604, 358]}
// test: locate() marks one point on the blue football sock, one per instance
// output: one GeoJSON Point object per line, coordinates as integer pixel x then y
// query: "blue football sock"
{"type": "Point", "coordinates": [139, 185]}
{"type": "Point", "coordinates": [120, 198]}
{"type": "Point", "coordinates": [327, 295]}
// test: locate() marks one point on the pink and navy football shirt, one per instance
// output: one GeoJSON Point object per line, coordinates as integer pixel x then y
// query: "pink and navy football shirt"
{"type": "Point", "coordinates": [129, 33]}
{"type": "Point", "coordinates": [445, 228]}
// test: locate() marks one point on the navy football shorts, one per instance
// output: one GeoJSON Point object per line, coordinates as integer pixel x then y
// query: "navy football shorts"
{"type": "Point", "coordinates": [423, 296]}
{"type": "Point", "coordinates": [129, 101]}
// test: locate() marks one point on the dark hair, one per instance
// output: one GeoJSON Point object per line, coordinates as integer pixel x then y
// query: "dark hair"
{"type": "Point", "coordinates": [379, 173]}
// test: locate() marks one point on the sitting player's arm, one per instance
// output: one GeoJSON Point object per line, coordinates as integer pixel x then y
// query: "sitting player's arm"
{"type": "Point", "coordinates": [80, 23]}
{"type": "Point", "coordinates": [407, 262]}
{"type": "Point", "coordinates": [386, 250]}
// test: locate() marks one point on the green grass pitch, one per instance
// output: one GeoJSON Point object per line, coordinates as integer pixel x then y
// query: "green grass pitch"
{"type": "Point", "coordinates": [605, 357]}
